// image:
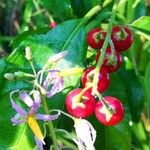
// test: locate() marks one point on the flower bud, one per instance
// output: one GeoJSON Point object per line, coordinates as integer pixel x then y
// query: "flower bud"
{"type": "Point", "coordinates": [28, 53]}
{"type": "Point", "coordinates": [9, 76]}
{"type": "Point", "coordinates": [21, 74]}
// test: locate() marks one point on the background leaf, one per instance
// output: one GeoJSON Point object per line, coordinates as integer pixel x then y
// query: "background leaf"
{"type": "Point", "coordinates": [60, 9]}
{"type": "Point", "coordinates": [81, 7]}
{"type": "Point", "coordinates": [134, 92]}
{"type": "Point", "coordinates": [142, 25]}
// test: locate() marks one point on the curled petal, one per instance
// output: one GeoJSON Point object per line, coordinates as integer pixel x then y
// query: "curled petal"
{"type": "Point", "coordinates": [52, 75]}
{"type": "Point", "coordinates": [79, 144]}
{"type": "Point", "coordinates": [57, 57]}
{"type": "Point", "coordinates": [26, 99]}
{"type": "Point", "coordinates": [17, 119]}
{"type": "Point", "coordinates": [38, 143]}
{"type": "Point", "coordinates": [45, 117]}
{"type": "Point", "coordinates": [36, 102]}
{"type": "Point", "coordinates": [58, 86]}
{"type": "Point", "coordinates": [86, 133]}
{"type": "Point", "coordinates": [15, 106]}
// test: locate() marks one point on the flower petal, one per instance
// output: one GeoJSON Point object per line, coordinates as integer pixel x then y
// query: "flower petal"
{"type": "Point", "coordinates": [57, 57]}
{"type": "Point", "coordinates": [45, 117]}
{"type": "Point", "coordinates": [38, 143]}
{"type": "Point", "coordinates": [26, 99]}
{"type": "Point", "coordinates": [79, 144]}
{"type": "Point", "coordinates": [86, 133]}
{"type": "Point", "coordinates": [36, 102]}
{"type": "Point", "coordinates": [58, 86]}
{"type": "Point", "coordinates": [15, 106]}
{"type": "Point", "coordinates": [52, 75]}
{"type": "Point", "coordinates": [17, 119]}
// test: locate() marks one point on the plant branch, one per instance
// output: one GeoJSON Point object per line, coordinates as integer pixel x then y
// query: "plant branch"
{"type": "Point", "coordinates": [50, 124]}
{"type": "Point", "coordinates": [100, 61]}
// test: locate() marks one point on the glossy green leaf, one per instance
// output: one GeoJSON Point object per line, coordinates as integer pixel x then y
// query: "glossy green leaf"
{"type": "Point", "coordinates": [44, 46]}
{"type": "Point", "coordinates": [142, 26]}
{"type": "Point", "coordinates": [18, 39]}
{"type": "Point", "coordinates": [134, 92]}
{"type": "Point", "coordinates": [142, 23]}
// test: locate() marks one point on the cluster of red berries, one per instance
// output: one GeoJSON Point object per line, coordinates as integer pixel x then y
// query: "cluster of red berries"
{"type": "Point", "coordinates": [80, 102]}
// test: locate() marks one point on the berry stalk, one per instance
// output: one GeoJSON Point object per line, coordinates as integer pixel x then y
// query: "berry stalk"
{"type": "Point", "coordinates": [100, 61]}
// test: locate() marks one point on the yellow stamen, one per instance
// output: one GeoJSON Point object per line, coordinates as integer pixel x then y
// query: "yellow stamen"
{"type": "Point", "coordinates": [35, 128]}
{"type": "Point", "coordinates": [70, 71]}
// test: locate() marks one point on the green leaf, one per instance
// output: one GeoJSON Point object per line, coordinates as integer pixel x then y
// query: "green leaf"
{"type": "Point", "coordinates": [142, 25]}
{"type": "Point", "coordinates": [13, 137]}
{"type": "Point", "coordinates": [60, 9]}
{"type": "Point", "coordinates": [147, 87]}
{"type": "Point", "coordinates": [44, 46]}
{"type": "Point", "coordinates": [18, 39]}
{"type": "Point", "coordinates": [134, 92]}
{"type": "Point", "coordinates": [2, 65]}
{"type": "Point", "coordinates": [81, 7]}
{"type": "Point", "coordinates": [118, 136]}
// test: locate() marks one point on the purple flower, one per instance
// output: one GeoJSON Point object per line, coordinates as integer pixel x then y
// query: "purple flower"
{"type": "Point", "coordinates": [31, 116]}
{"type": "Point", "coordinates": [53, 78]}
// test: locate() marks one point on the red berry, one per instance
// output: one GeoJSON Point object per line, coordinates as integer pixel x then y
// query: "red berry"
{"type": "Point", "coordinates": [103, 82]}
{"type": "Point", "coordinates": [122, 38]}
{"type": "Point", "coordinates": [80, 107]}
{"type": "Point", "coordinates": [95, 38]}
{"type": "Point", "coordinates": [53, 24]}
{"type": "Point", "coordinates": [111, 62]}
{"type": "Point", "coordinates": [105, 116]}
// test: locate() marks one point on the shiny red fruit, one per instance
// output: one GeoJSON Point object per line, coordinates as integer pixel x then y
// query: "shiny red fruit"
{"type": "Point", "coordinates": [96, 37]}
{"type": "Point", "coordinates": [112, 60]}
{"type": "Point", "coordinates": [53, 24]}
{"type": "Point", "coordinates": [106, 117]}
{"type": "Point", "coordinates": [80, 107]}
{"type": "Point", "coordinates": [122, 38]}
{"type": "Point", "coordinates": [103, 82]}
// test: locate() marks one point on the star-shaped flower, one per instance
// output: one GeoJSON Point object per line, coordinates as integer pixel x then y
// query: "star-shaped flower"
{"type": "Point", "coordinates": [31, 116]}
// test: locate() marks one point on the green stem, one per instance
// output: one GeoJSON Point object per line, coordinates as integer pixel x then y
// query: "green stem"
{"type": "Point", "coordinates": [59, 111]}
{"type": "Point", "coordinates": [91, 13]}
{"type": "Point", "coordinates": [50, 124]}
{"type": "Point", "coordinates": [100, 61]}
{"type": "Point", "coordinates": [33, 69]}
